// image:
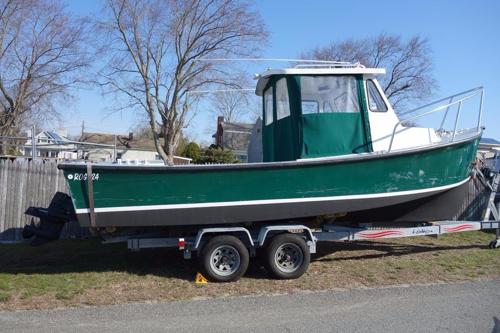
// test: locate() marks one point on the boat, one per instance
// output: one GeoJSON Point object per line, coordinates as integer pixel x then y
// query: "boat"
{"type": "Point", "coordinates": [332, 145]}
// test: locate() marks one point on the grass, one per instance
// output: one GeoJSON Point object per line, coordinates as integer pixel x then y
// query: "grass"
{"type": "Point", "coordinates": [86, 272]}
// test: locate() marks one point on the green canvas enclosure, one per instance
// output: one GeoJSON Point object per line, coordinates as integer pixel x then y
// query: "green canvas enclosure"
{"type": "Point", "coordinates": [309, 116]}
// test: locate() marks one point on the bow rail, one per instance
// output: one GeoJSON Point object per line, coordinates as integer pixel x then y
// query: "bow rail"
{"type": "Point", "coordinates": [451, 102]}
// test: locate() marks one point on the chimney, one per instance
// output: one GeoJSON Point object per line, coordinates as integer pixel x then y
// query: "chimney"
{"type": "Point", "coordinates": [220, 120]}
{"type": "Point", "coordinates": [219, 133]}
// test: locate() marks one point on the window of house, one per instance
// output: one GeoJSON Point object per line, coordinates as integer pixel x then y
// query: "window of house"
{"type": "Point", "coordinates": [282, 101]}
{"type": "Point", "coordinates": [118, 156]}
{"type": "Point", "coordinates": [329, 94]}
{"type": "Point", "coordinates": [375, 101]}
{"type": "Point", "coordinates": [268, 106]}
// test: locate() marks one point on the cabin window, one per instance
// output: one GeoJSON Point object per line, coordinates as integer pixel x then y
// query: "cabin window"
{"type": "Point", "coordinates": [328, 94]}
{"type": "Point", "coordinates": [268, 106]}
{"type": "Point", "coordinates": [310, 107]}
{"type": "Point", "coordinates": [282, 102]}
{"type": "Point", "coordinates": [375, 101]}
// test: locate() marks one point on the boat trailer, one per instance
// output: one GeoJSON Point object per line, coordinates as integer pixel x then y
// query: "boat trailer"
{"type": "Point", "coordinates": [224, 252]}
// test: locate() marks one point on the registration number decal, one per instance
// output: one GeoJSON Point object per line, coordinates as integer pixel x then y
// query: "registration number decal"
{"type": "Point", "coordinates": [82, 176]}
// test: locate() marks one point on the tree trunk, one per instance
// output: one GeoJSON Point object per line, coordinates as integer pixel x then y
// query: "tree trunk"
{"type": "Point", "coordinates": [4, 144]}
{"type": "Point", "coordinates": [169, 147]}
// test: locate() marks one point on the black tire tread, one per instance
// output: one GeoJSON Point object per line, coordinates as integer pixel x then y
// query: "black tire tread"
{"type": "Point", "coordinates": [213, 244]}
{"type": "Point", "coordinates": [274, 244]}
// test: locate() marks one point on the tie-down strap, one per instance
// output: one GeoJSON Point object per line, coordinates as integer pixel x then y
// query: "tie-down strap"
{"type": "Point", "coordinates": [90, 192]}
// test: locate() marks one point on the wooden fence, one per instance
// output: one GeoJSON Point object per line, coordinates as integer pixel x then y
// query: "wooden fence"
{"type": "Point", "coordinates": [475, 202]}
{"type": "Point", "coordinates": [23, 184]}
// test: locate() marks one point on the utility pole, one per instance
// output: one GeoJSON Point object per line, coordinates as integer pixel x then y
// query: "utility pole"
{"type": "Point", "coordinates": [33, 143]}
{"type": "Point", "coordinates": [114, 150]}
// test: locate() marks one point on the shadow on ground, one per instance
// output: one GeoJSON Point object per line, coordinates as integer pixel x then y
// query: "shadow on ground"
{"type": "Point", "coordinates": [73, 256]}
{"type": "Point", "coordinates": [381, 249]}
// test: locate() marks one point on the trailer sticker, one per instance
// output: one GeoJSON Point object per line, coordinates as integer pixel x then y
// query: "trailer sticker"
{"type": "Point", "coordinates": [459, 228]}
{"type": "Point", "coordinates": [368, 234]}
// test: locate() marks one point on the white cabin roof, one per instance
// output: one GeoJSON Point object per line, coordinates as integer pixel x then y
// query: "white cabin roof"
{"type": "Point", "coordinates": [264, 77]}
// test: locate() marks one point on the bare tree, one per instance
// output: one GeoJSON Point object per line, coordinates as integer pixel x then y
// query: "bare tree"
{"type": "Point", "coordinates": [408, 63]}
{"type": "Point", "coordinates": [234, 106]}
{"type": "Point", "coordinates": [41, 58]}
{"type": "Point", "coordinates": [154, 48]}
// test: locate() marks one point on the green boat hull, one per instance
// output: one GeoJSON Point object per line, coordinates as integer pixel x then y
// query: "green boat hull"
{"type": "Point", "coordinates": [134, 196]}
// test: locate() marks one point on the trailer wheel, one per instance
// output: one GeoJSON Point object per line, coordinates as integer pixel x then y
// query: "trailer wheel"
{"type": "Point", "coordinates": [287, 256]}
{"type": "Point", "coordinates": [224, 258]}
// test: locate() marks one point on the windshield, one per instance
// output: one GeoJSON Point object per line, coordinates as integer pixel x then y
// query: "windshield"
{"type": "Point", "coordinates": [328, 94]}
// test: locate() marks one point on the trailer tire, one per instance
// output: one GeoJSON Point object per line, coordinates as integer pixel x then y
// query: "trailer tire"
{"type": "Point", "coordinates": [287, 256]}
{"type": "Point", "coordinates": [224, 258]}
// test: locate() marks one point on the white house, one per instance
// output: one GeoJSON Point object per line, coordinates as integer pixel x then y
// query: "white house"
{"type": "Point", "coordinates": [489, 151]}
{"type": "Point", "coordinates": [121, 147]}
{"type": "Point", "coordinates": [52, 144]}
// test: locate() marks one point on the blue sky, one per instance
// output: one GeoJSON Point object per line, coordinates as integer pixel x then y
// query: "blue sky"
{"type": "Point", "coordinates": [464, 36]}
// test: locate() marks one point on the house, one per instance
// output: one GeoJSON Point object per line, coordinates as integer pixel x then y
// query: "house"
{"type": "Point", "coordinates": [255, 145]}
{"type": "Point", "coordinates": [489, 151]}
{"type": "Point", "coordinates": [234, 136]}
{"type": "Point", "coordinates": [112, 147]}
{"type": "Point", "coordinates": [52, 144]}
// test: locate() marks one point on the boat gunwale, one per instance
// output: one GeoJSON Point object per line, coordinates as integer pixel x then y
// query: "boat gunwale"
{"type": "Point", "coordinates": [272, 165]}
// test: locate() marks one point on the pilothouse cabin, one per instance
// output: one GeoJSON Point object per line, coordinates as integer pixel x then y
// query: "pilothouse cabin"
{"type": "Point", "coordinates": [323, 111]}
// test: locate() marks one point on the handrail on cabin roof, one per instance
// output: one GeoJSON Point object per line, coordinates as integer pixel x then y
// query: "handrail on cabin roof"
{"type": "Point", "coordinates": [314, 62]}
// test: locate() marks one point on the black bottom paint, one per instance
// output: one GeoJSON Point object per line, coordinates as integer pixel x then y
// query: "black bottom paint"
{"type": "Point", "coordinates": [369, 210]}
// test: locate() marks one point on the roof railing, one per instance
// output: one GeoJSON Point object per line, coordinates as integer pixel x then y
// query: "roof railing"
{"type": "Point", "coordinates": [302, 62]}
{"type": "Point", "coordinates": [451, 102]}
{"type": "Point", "coordinates": [333, 64]}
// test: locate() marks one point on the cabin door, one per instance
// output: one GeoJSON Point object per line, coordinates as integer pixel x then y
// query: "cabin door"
{"type": "Point", "coordinates": [333, 120]}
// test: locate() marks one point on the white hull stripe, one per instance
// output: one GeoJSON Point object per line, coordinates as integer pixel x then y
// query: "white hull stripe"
{"type": "Point", "coordinates": [269, 201]}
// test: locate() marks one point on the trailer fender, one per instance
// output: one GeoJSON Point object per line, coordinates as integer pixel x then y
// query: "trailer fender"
{"type": "Point", "coordinates": [294, 229]}
{"type": "Point", "coordinates": [231, 230]}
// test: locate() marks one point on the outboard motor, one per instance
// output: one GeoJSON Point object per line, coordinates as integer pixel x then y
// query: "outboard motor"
{"type": "Point", "coordinates": [52, 219]}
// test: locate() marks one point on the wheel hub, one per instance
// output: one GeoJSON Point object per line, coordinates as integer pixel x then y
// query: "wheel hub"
{"type": "Point", "coordinates": [289, 257]}
{"type": "Point", "coordinates": [225, 260]}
